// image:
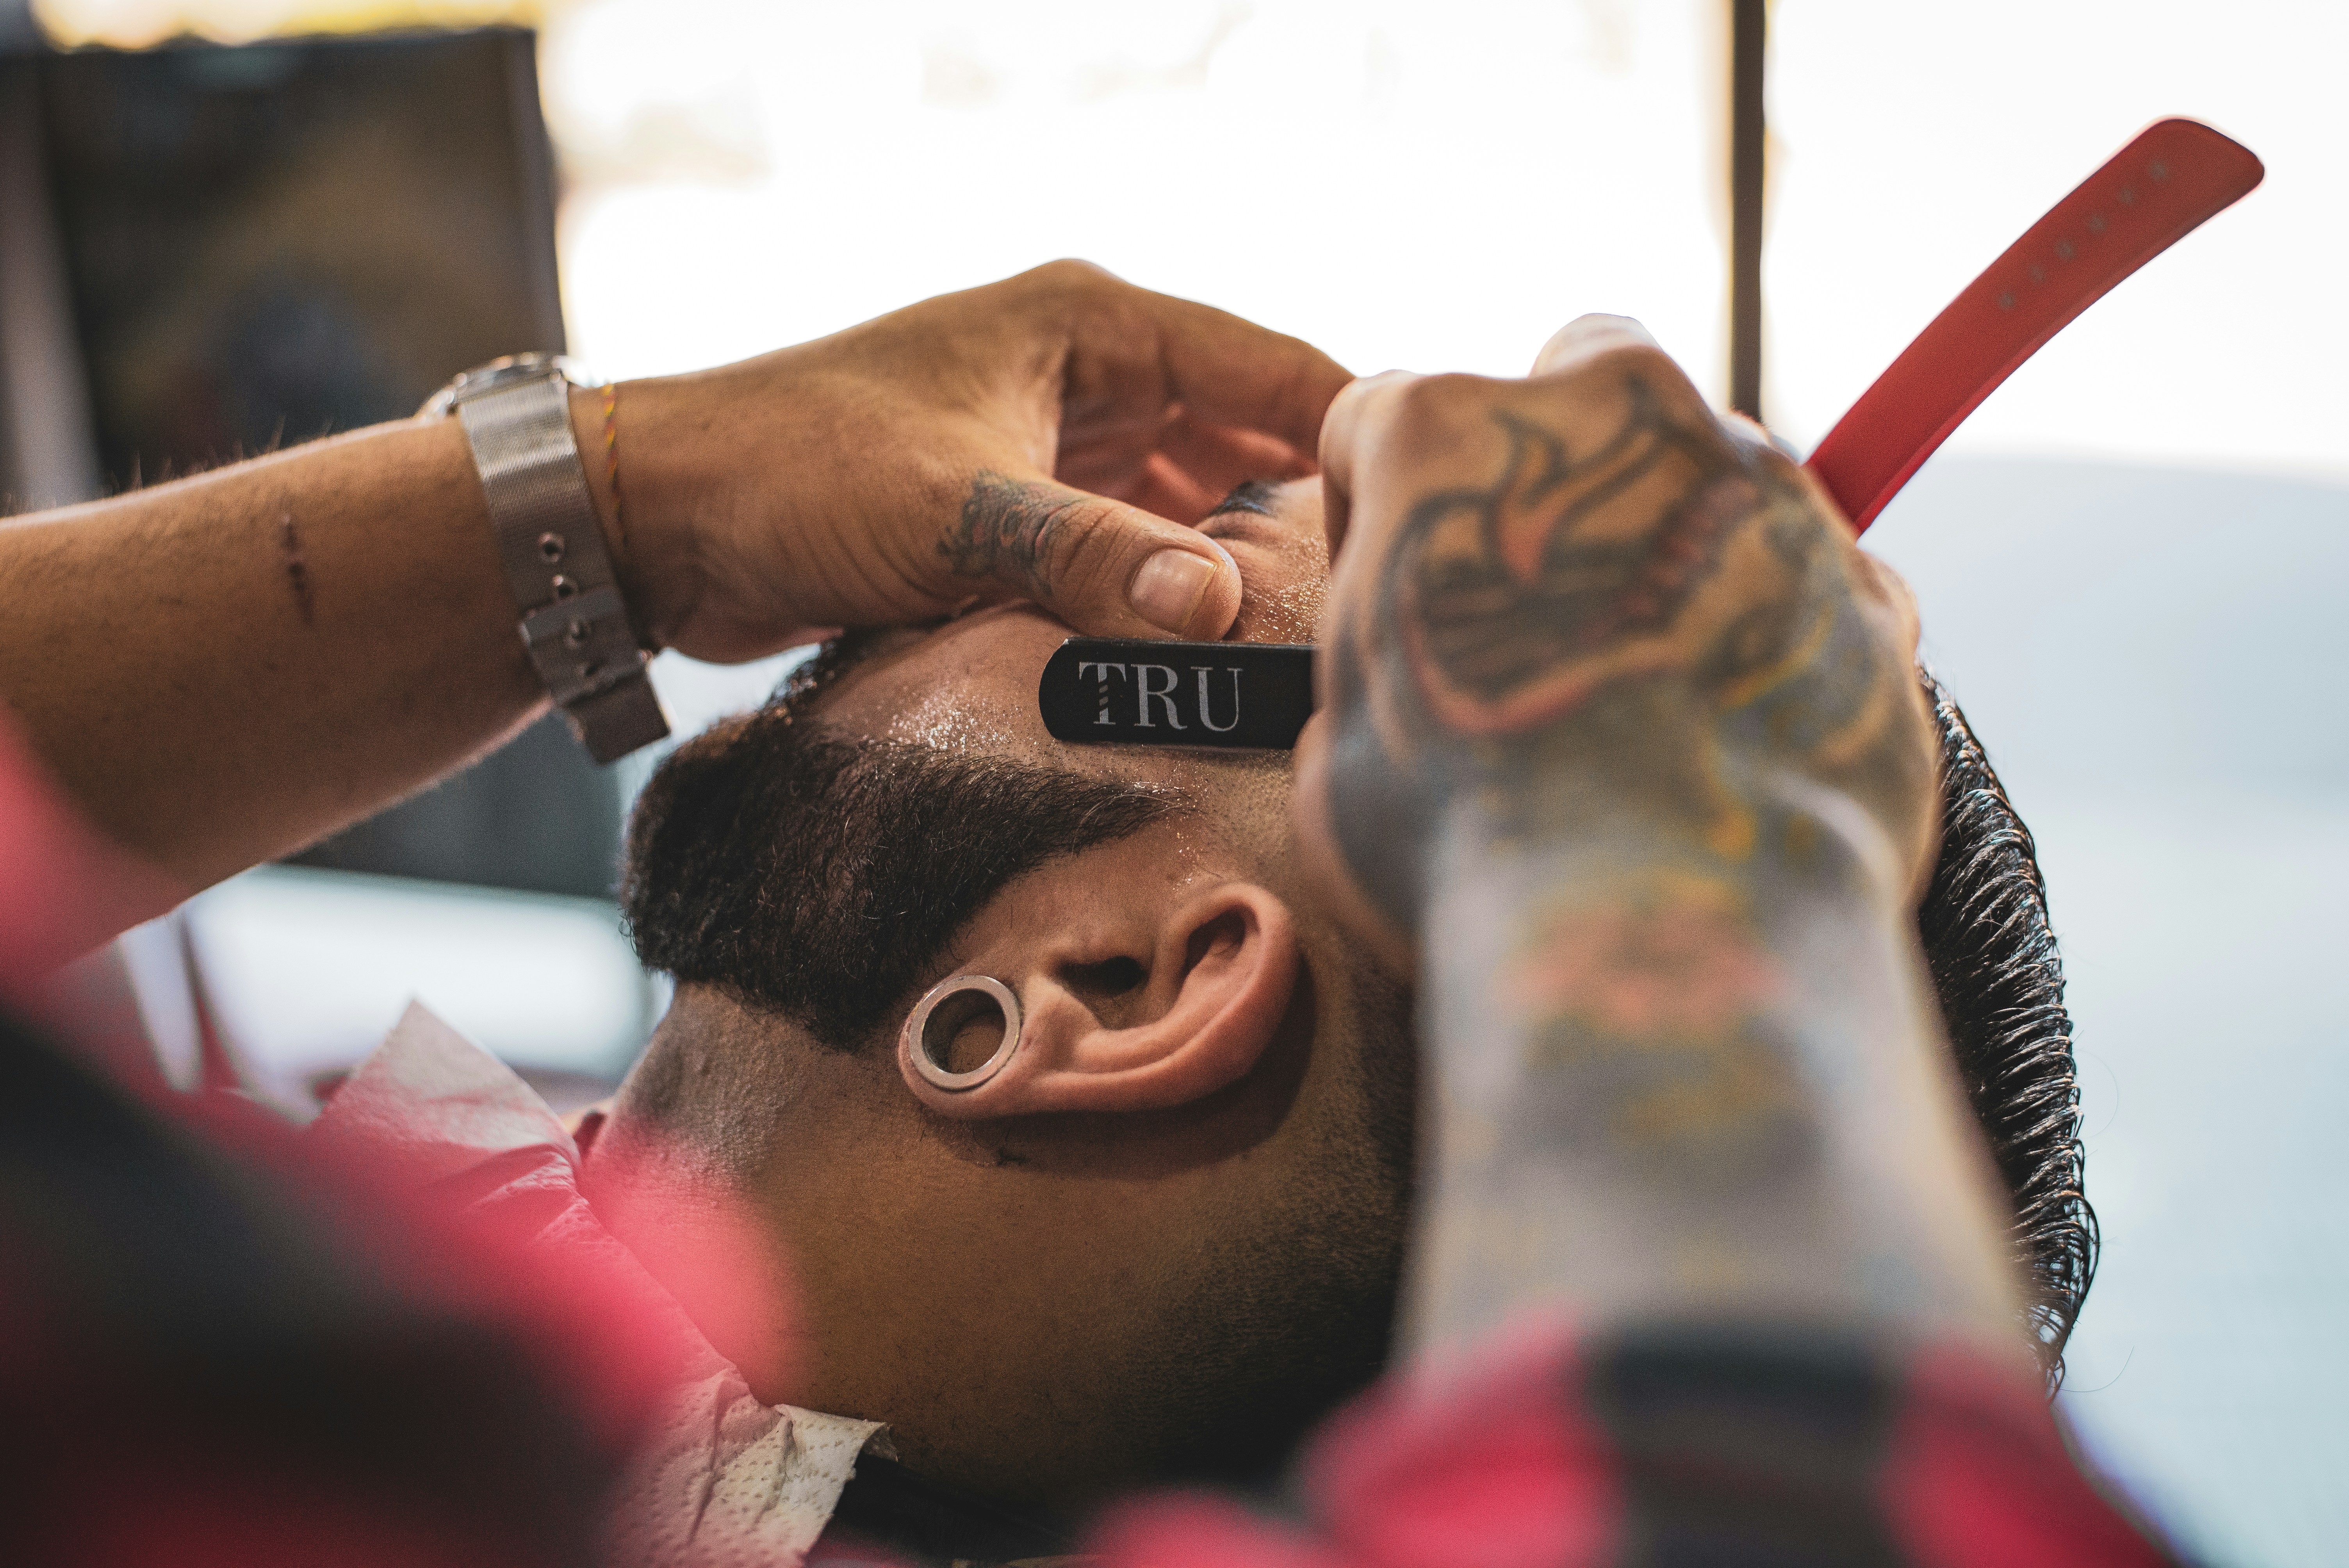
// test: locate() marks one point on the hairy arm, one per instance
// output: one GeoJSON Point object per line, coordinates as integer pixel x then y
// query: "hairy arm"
{"type": "Point", "coordinates": [223, 669]}
{"type": "Point", "coordinates": [1622, 746]}
{"type": "Point", "coordinates": [226, 667]}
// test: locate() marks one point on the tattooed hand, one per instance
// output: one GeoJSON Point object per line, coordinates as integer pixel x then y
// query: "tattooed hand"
{"type": "Point", "coordinates": [1584, 587]}
{"type": "Point", "coordinates": [1619, 744]}
{"type": "Point", "coordinates": [1047, 436]}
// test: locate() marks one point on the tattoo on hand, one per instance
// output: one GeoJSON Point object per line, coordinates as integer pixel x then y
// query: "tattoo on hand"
{"type": "Point", "coordinates": [1007, 522]}
{"type": "Point", "coordinates": [1513, 597]}
{"type": "Point", "coordinates": [1664, 610]}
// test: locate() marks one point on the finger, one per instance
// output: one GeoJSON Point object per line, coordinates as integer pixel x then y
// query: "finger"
{"type": "Point", "coordinates": [1107, 568]}
{"type": "Point", "coordinates": [1353, 419]}
{"type": "Point", "coordinates": [1193, 467]}
{"type": "Point", "coordinates": [1892, 590]}
{"type": "Point", "coordinates": [1220, 456]}
{"type": "Point", "coordinates": [1585, 336]}
{"type": "Point", "coordinates": [1226, 452]}
{"type": "Point", "coordinates": [1821, 500]}
{"type": "Point", "coordinates": [1224, 369]}
{"type": "Point", "coordinates": [1163, 489]}
{"type": "Point", "coordinates": [1753, 430]}
{"type": "Point", "coordinates": [1329, 884]}
{"type": "Point", "coordinates": [1228, 371]}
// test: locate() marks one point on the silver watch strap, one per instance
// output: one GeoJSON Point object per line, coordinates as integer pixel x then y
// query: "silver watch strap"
{"type": "Point", "coordinates": [551, 547]}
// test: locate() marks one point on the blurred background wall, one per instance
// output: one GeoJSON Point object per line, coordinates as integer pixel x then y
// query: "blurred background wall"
{"type": "Point", "coordinates": [2132, 559]}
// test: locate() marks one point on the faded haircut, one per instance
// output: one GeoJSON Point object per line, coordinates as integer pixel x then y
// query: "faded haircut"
{"type": "Point", "coordinates": [1991, 953]}
{"type": "Point", "coordinates": [819, 876]}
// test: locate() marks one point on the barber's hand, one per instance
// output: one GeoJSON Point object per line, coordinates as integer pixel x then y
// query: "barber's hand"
{"type": "Point", "coordinates": [1581, 604]}
{"type": "Point", "coordinates": [1047, 438]}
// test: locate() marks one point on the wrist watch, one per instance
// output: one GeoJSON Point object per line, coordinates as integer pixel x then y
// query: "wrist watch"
{"type": "Point", "coordinates": [516, 412]}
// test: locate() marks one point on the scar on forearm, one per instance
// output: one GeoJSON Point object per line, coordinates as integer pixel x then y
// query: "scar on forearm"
{"type": "Point", "coordinates": [297, 571]}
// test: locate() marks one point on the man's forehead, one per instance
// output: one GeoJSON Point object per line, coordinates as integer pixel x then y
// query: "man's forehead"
{"type": "Point", "coordinates": [885, 690]}
{"type": "Point", "coordinates": [966, 683]}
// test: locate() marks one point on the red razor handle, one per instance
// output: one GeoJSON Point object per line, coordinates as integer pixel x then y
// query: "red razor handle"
{"type": "Point", "coordinates": [2152, 193]}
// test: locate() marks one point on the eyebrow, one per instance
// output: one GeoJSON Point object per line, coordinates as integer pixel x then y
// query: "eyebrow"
{"type": "Point", "coordinates": [1248, 495]}
{"type": "Point", "coordinates": [835, 659]}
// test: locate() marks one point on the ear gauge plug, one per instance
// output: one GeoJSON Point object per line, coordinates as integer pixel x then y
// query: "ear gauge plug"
{"type": "Point", "coordinates": [949, 1010]}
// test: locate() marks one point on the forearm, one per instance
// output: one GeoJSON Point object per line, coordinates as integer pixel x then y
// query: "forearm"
{"type": "Point", "coordinates": [1673, 1084]}
{"type": "Point", "coordinates": [227, 667]}
{"type": "Point", "coordinates": [1624, 742]}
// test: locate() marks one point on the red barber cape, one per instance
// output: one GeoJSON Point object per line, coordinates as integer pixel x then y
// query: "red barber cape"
{"type": "Point", "coordinates": [1727, 1446]}
{"type": "Point", "coordinates": [64, 888]}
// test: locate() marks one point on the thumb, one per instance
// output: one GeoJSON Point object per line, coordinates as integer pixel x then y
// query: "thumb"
{"type": "Point", "coordinates": [1585, 336]}
{"type": "Point", "coordinates": [1107, 569]}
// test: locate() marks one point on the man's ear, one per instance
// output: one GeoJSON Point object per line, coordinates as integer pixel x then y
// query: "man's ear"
{"type": "Point", "coordinates": [1135, 1013]}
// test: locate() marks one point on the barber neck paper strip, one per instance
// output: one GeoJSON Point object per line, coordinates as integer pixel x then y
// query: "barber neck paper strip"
{"type": "Point", "coordinates": [1099, 691]}
{"type": "Point", "coordinates": [720, 1479]}
{"type": "Point", "coordinates": [2151, 193]}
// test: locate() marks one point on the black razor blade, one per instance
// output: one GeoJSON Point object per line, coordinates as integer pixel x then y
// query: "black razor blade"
{"type": "Point", "coordinates": [1122, 691]}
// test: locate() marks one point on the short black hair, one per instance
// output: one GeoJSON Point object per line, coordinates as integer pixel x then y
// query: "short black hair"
{"type": "Point", "coordinates": [2000, 980]}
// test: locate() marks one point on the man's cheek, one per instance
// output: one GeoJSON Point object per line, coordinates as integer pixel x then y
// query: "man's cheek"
{"type": "Point", "coordinates": [1286, 585]}
{"type": "Point", "coordinates": [1290, 613]}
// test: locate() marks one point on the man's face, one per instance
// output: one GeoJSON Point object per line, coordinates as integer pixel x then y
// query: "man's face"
{"type": "Point", "coordinates": [1173, 1288]}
